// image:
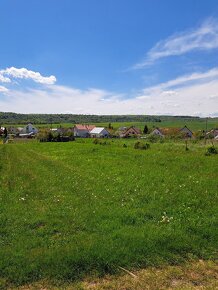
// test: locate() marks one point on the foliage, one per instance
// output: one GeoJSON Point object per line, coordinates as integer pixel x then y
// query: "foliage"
{"type": "Point", "coordinates": [153, 138]}
{"type": "Point", "coordinates": [14, 118]}
{"type": "Point", "coordinates": [48, 136]}
{"type": "Point", "coordinates": [100, 142]}
{"type": "Point", "coordinates": [145, 130]}
{"type": "Point", "coordinates": [211, 150]}
{"type": "Point", "coordinates": [140, 145]}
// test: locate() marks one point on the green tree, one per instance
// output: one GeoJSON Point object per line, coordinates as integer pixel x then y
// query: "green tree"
{"type": "Point", "coordinates": [145, 130]}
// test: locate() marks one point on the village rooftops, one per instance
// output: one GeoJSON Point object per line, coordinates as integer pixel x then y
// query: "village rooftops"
{"type": "Point", "coordinates": [97, 130]}
{"type": "Point", "coordinates": [124, 132]}
{"type": "Point", "coordinates": [84, 127]}
{"type": "Point", "coordinates": [172, 131]}
{"type": "Point", "coordinates": [213, 132]}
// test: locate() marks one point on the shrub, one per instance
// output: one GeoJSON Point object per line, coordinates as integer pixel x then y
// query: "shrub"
{"type": "Point", "coordinates": [145, 130]}
{"type": "Point", "coordinates": [154, 138]}
{"type": "Point", "coordinates": [97, 141]}
{"type": "Point", "coordinates": [211, 150]}
{"type": "Point", "coordinates": [139, 145]}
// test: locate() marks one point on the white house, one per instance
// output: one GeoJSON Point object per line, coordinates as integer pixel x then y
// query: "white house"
{"type": "Point", "coordinates": [99, 132]}
{"type": "Point", "coordinates": [83, 130]}
{"type": "Point", "coordinates": [29, 129]}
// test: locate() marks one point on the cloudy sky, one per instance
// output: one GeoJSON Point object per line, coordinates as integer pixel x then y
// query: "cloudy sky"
{"type": "Point", "coordinates": [109, 57]}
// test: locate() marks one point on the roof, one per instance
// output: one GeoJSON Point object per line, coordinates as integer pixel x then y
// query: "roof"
{"type": "Point", "coordinates": [97, 130]}
{"type": "Point", "coordinates": [122, 129]}
{"type": "Point", "coordinates": [167, 131]}
{"type": "Point", "coordinates": [125, 130]}
{"type": "Point", "coordinates": [84, 127]}
{"type": "Point", "coordinates": [213, 131]}
{"type": "Point", "coordinates": [186, 128]}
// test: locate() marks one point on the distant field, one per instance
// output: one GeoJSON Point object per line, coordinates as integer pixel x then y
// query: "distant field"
{"type": "Point", "coordinates": [68, 210]}
{"type": "Point", "coordinates": [194, 125]}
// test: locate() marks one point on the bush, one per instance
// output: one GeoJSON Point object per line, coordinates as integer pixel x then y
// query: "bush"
{"type": "Point", "coordinates": [96, 141]}
{"type": "Point", "coordinates": [139, 145]}
{"type": "Point", "coordinates": [211, 150]}
{"type": "Point", "coordinates": [154, 138]}
{"type": "Point", "coordinates": [48, 136]}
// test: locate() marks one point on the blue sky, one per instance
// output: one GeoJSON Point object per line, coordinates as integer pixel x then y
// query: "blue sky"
{"type": "Point", "coordinates": [109, 57]}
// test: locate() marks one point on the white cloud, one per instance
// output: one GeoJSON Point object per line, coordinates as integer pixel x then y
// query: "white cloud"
{"type": "Point", "coordinates": [3, 89]}
{"type": "Point", "coordinates": [180, 96]}
{"type": "Point", "coordinates": [4, 79]}
{"type": "Point", "coordinates": [187, 80]}
{"type": "Point", "coordinates": [194, 94]}
{"type": "Point", "coordinates": [204, 37]}
{"type": "Point", "coordinates": [23, 73]}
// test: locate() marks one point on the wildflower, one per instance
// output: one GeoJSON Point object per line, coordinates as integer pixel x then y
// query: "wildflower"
{"type": "Point", "coordinates": [165, 218]}
{"type": "Point", "coordinates": [22, 198]}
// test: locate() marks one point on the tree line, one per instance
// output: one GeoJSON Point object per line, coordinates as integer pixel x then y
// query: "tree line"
{"type": "Point", "coordinates": [14, 118]}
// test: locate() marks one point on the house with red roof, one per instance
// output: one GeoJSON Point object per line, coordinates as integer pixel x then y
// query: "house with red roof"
{"type": "Point", "coordinates": [82, 131]}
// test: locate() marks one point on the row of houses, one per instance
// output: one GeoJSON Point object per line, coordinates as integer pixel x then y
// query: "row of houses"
{"type": "Point", "coordinates": [27, 130]}
{"type": "Point", "coordinates": [86, 131]}
{"type": "Point", "coordinates": [162, 132]}
{"type": "Point", "coordinates": [101, 132]}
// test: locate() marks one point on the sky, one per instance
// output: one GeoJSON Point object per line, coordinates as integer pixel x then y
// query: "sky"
{"type": "Point", "coordinates": [150, 57]}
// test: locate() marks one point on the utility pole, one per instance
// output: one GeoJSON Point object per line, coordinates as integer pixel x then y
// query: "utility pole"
{"type": "Point", "coordinates": [50, 123]}
{"type": "Point", "coordinates": [206, 124]}
{"type": "Point", "coordinates": [205, 137]}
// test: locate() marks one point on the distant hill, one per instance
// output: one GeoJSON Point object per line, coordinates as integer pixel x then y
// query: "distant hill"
{"type": "Point", "coordinates": [14, 118]}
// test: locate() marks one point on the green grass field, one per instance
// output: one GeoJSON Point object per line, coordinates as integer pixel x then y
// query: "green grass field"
{"type": "Point", "coordinates": [71, 210]}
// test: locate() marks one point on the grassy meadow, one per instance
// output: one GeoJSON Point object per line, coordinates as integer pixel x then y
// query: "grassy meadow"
{"type": "Point", "coordinates": [78, 209]}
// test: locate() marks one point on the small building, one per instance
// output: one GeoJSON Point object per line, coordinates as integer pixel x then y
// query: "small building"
{"type": "Point", "coordinates": [62, 130]}
{"type": "Point", "coordinates": [172, 132]}
{"type": "Point", "coordinates": [158, 132]}
{"type": "Point", "coordinates": [29, 129]}
{"type": "Point", "coordinates": [82, 131]}
{"type": "Point", "coordinates": [26, 135]}
{"type": "Point", "coordinates": [99, 132]}
{"type": "Point", "coordinates": [2, 129]}
{"type": "Point", "coordinates": [13, 130]}
{"type": "Point", "coordinates": [186, 131]}
{"type": "Point", "coordinates": [125, 132]}
{"type": "Point", "coordinates": [212, 133]}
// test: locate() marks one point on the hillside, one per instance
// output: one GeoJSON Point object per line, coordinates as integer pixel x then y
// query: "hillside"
{"type": "Point", "coordinates": [14, 118]}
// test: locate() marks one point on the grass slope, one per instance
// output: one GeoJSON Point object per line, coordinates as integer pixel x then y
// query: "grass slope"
{"type": "Point", "coordinates": [69, 210]}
